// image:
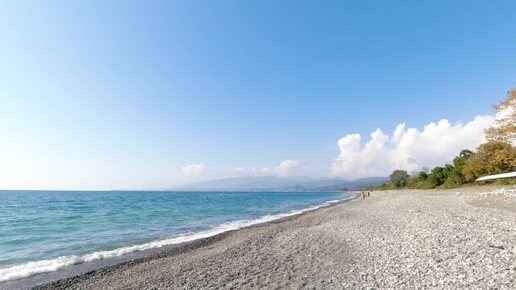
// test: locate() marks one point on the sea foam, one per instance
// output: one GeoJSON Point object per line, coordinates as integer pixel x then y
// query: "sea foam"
{"type": "Point", "coordinates": [44, 266]}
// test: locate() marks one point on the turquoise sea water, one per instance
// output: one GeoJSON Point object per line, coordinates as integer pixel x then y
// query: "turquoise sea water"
{"type": "Point", "coordinates": [43, 231]}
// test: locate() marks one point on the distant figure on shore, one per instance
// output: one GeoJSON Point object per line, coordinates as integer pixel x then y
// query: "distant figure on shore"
{"type": "Point", "coordinates": [368, 193]}
{"type": "Point", "coordinates": [363, 194]}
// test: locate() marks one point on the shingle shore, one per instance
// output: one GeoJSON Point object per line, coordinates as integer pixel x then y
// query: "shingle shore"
{"type": "Point", "coordinates": [398, 240]}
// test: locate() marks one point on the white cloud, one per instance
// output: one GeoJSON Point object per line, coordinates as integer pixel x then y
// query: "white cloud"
{"type": "Point", "coordinates": [408, 148]}
{"type": "Point", "coordinates": [240, 171]}
{"type": "Point", "coordinates": [193, 169]}
{"type": "Point", "coordinates": [285, 167]}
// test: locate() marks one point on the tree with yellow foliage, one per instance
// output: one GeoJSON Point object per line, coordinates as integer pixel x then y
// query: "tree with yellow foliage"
{"type": "Point", "coordinates": [492, 157]}
{"type": "Point", "coordinates": [498, 155]}
{"type": "Point", "coordinates": [505, 128]}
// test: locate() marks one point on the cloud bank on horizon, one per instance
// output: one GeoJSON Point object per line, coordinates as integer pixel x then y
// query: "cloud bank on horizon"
{"type": "Point", "coordinates": [193, 169]}
{"type": "Point", "coordinates": [408, 148]}
{"type": "Point", "coordinates": [285, 168]}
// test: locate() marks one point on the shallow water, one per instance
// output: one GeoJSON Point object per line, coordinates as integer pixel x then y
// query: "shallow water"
{"type": "Point", "coordinates": [42, 231]}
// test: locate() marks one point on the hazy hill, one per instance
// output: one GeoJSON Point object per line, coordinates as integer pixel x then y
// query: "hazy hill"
{"type": "Point", "coordinates": [273, 183]}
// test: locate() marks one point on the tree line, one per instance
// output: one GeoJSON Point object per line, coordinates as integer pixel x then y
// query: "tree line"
{"type": "Point", "coordinates": [497, 155]}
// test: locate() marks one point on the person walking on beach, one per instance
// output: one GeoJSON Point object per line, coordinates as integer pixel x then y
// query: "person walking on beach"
{"type": "Point", "coordinates": [363, 194]}
{"type": "Point", "coordinates": [368, 193]}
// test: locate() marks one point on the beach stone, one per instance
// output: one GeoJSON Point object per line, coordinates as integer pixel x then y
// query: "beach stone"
{"type": "Point", "coordinates": [391, 240]}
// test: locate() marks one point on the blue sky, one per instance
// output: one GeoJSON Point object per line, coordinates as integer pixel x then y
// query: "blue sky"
{"type": "Point", "coordinates": [127, 94]}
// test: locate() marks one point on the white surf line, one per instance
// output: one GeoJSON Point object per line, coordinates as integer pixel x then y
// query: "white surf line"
{"type": "Point", "coordinates": [44, 266]}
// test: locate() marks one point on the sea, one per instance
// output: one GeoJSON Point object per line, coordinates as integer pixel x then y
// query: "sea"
{"type": "Point", "coordinates": [44, 231]}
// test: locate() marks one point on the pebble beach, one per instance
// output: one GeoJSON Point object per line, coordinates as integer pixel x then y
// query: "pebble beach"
{"type": "Point", "coordinates": [461, 238]}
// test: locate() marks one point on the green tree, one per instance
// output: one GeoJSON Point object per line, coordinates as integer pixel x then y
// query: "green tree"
{"type": "Point", "coordinates": [423, 174]}
{"type": "Point", "coordinates": [399, 178]}
{"type": "Point", "coordinates": [447, 171]}
{"type": "Point", "coordinates": [455, 177]}
{"type": "Point", "coordinates": [412, 182]}
{"type": "Point", "coordinates": [437, 176]}
{"type": "Point", "coordinates": [458, 162]}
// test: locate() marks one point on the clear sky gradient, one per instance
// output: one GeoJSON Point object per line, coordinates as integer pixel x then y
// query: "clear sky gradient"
{"type": "Point", "coordinates": [127, 94]}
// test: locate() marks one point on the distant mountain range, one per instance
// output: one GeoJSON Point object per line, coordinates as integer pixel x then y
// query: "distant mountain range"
{"type": "Point", "coordinates": [273, 183]}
